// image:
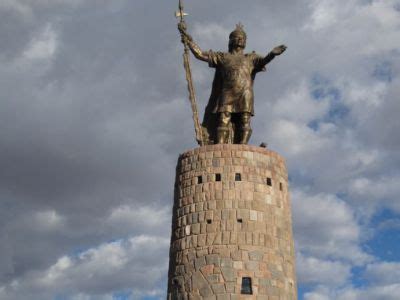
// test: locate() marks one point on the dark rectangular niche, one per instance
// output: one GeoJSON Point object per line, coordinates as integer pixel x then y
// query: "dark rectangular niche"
{"type": "Point", "coordinates": [280, 186]}
{"type": "Point", "coordinates": [246, 286]}
{"type": "Point", "coordinates": [217, 177]}
{"type": "Point", "coordinates": [269, 181]}
{"type": "Point", "coordinates": [240, 220]}
{"type": "Point", "coordinates": [199, 179]}
{"type": "Point", "coordinates": [209, 221]}
{"type": "Point", "coordinates": [238, 177]}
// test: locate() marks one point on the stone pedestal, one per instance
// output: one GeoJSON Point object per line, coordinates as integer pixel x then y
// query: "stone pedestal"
{"type": "Point", "coordinates": [231, 226]}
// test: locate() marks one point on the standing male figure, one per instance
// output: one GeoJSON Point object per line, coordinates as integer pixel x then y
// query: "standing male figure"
{"type": "Point", "coordinates": [231, 103]}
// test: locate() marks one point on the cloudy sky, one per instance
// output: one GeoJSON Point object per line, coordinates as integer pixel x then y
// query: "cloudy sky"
{"type": "Point", "coordinates": [94, 112]}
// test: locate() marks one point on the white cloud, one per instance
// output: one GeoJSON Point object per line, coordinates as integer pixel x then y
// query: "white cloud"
{"type": "Point", "coordinates": [145, 218]}
{"type": "Point", "coordinates": [210, 32]}
{"type": "Point", "coordinates": [387, 292]}
{"type": "Point", "coordinates": [384, 283]}
{"type": "Point", "coordinates": [311, 270]}
{"type": "Point", "coordinates": [363, 99]}
{"type": "Point", "coordinates": [47, 220]}
{"type": "Point", "coordinates": [377, 191]}
{"type": "Point", "coordinates": [299, 141]}
{"type": "Point", "coordinates": [325, 227]}
{"type": "Point", "coordinates": [22, 8]}
{"type": "Point", "coordinates": [43, 46]}
{"type": "Point", "coordinates": [324, 15]}
{"type": "Point", "coordinates": [383, 273]}
{"type": "Point", "coordinates": [306, 108]}
{"type": "Point", "coordinates": [132, 264]}
{"type": "Point", "coordinates": [320, 293]}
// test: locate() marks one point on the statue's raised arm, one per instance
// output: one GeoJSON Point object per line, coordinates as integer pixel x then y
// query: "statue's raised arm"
{"type": "Point", "coordinates": [187, 38]}
{"type": "Point", "coordinates": [275, 52]}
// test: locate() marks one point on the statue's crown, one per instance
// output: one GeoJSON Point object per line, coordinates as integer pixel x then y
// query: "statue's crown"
{"type": "Point", "coordinates": [238, 31]}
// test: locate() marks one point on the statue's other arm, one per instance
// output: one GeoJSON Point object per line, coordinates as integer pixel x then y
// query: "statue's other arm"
{"type": "Point", "coordinates": [197, 52]}
{"type": "Point", "coordinates": [276, 51]}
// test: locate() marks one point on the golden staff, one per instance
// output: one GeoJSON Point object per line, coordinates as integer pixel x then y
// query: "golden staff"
{"type": "Point", "coordinates": [186, 63]}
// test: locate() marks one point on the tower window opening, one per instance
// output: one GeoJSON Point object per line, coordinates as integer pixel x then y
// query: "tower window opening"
{"type": "Point", "coordinates": [238, 177]}
{"type": "Point", "coordinates": [240, 220]}
{"type": "Point", "coordinates": [175, 282]}
{"type": "Point", "coordinates": [269, 181]}
{"type": "Point", "coordinates": [280, 186]}
{"type": "Point", "coordinates": [209, 221]}
{"type": "Point", "coordinates": [246, 286]}
{"type": "Point", "coordinates": [217, 177]}
{"type": "Point", "coordinates": [199, 179]}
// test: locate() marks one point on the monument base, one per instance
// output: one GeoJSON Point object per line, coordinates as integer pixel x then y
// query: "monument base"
{"type": "Point", "coordinates": [231, 226]}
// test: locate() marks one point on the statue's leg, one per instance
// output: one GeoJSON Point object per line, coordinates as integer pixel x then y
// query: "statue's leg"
{"type": "Point", "coordinates": [224, 120]}
{"type": "Point", "coordinates": [245, 129]}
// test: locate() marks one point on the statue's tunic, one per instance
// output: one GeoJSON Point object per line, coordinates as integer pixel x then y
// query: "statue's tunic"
{"type": "Point", "coordinates": [234, 79]}
{"type": "Point", "coordinates": [232, 88]}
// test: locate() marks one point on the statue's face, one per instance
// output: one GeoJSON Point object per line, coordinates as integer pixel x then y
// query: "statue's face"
{"type": "Point", "coordinates": [238, 41]}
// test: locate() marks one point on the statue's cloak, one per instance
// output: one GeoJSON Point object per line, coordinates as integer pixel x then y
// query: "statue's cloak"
{"type": "Point", "coordinates": [210, 118]}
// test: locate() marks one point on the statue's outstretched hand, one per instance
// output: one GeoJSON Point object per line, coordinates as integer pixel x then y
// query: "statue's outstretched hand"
{"type": "Point", "coordinates": [279, 50]}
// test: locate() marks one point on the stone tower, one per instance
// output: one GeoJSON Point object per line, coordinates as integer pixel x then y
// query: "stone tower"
{"type": "Point", "coordinates": [231, 226]}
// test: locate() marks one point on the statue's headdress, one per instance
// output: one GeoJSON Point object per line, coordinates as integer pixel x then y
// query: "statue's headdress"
{"type": "Point", "coordinates": [238, 31]}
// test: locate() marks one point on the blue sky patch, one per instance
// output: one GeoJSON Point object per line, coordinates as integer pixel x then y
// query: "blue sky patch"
{"type": "Point", "coordinates": [322, 89]}
{"type": "Point", "coordinates": [125, 295]}
{"type": "Point", "coordinates": [357, 279]}
{"type": "Point", "coordinates": [302, 290]}
{"type": "Point", "coordinates": [383, 71]}
{"type": "Point", "coordinates": [386, 241]}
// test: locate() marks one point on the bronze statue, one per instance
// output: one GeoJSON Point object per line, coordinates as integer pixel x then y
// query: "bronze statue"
{"type": "Point", "coordinates": [231, 104]}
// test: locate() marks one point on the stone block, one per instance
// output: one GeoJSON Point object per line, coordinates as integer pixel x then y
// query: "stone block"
{"type": "Point", "coordinates": [249, 238]}
{"type": "Point", "coordinates": [223, 297]}
{"type": "Point", "coordinates": [225, 237]}
{"type": "Point", "coordinates": [226, 262]}
{"type": "Point", "coordinates": [198, 281]}
{"type": "Point", "coordinates": [225, 214]}
{"type": "Point", "coordinates": [199, 262]}
{"type": "Point", "coordinates": [214, 278]}
{"type": "Point", "coordinates": [252, 265]}
{"type": "Point", "coordinates": [201, 240]}
{"type": "Point", "coordinates": [201, 252]}
{"type": "Point", "coordinates": [195, 229]}
{"type": "Point", "coordinates": [206, 292]}
{"type": "Point", "coordinates": [207, 270]}
{"type": "Point", "coordinates": [238, 265]}
{"type": "Point", "coordinates": [213, 259]}
{"type": "Point", "coordinates": [233, 238]}
{"type": "Point", "coordinates": [243, 214]}
{"type": "Point", "coordinates": [218, 238]}
{"type": "Point", "coordinates": [253, 215]}
{"type": "Point", "coordinates": [211, 227]}
{"type": "Point", "coordinates": [218, 288]}
{"type": "Point", "coordinates": [229, 274]}
{"type": "Point", "coordinates": [210, 238]}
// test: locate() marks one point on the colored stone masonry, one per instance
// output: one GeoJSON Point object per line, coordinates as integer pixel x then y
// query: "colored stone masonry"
{"type": "Point", "coordinates": [231, 226]}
